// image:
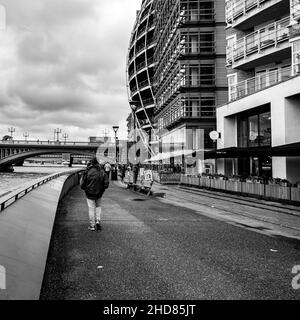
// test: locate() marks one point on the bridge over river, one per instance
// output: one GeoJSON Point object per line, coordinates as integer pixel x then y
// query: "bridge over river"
{"type": "Point", "coordinates": [16, 151]}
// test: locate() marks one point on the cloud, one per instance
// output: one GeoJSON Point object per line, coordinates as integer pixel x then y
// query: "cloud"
{"type": "Point", "coordinates": [62, 64]}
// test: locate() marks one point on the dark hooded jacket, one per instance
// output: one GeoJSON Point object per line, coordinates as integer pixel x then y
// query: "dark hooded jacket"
{"type": "Point", "coordinates": [96, 182]}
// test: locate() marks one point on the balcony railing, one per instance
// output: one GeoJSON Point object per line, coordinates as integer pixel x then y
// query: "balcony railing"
{"type": "Point", "coordinates": [238, 8]}
{"type": "Point", "coordinates": [198, 47]}
{"type": "Point", "coordinates": [295, 9]}
{"type": "Point", "coordinates": [182, 112]}
{"type": "Point", "coordinates": [148, 102]}
{"type": "Point", "coordinates": [142, 85]}
{"type": "Point", "coordinates": [270, 36]}
{"type": "Point", "coordinates": [184, 81]}
{"type": "Point", "coordinates": [196, 15]}
{"type": "Point", "coordinates": [259, 82]}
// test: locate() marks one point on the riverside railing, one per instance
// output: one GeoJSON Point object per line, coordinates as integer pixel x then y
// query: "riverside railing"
{"type": "Point", "coordinates": [8, 200]}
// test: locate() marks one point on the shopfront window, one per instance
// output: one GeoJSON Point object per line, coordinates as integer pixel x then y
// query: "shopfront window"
{"type": "Point", "coordinates": [264, 138]}
{"type": "Point", "coordinates": [254, 130]}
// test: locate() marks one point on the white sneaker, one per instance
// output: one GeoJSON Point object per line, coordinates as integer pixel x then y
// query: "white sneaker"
{"type": "Point", "coordinates": [91, 228]}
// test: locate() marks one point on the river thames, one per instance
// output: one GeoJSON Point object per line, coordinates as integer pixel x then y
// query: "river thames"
{"type": "Point", "coordinates": [12, 181]}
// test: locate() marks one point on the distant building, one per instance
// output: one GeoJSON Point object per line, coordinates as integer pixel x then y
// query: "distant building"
{"type": "Point", "coordinates": [263, 112]}
{"type": "Point", "coordinates": [7, 138]}
{"type": "Point", "coordinates": [101, 139]}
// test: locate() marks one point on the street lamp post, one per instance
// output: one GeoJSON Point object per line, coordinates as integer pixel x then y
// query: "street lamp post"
{"type": "Point", "coordinates": [26, 135]}
{"type": "Point", "coordinates": [11, 130]}
{"type": "Point", "coordinates": [115, 173]}
{"type": "Point", "coordinates": [116, 128]}
{"type": "Point", "coordinates": [134, 106]}
{"type": "Point", "coordinates": [57, 132]}
{"type": "Point", "coordinates": [65, 136]}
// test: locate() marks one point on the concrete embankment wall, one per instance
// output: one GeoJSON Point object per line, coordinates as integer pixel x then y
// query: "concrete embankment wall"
{"type": "Point", "coordinates": [25, 234]}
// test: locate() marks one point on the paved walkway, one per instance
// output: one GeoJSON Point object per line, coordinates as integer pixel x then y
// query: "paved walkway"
{"type": "Point", "coordinates": [150, 248]}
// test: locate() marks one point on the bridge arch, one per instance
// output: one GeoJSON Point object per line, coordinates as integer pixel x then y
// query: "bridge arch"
{"type": "Point", "coordinates": [15, 158]}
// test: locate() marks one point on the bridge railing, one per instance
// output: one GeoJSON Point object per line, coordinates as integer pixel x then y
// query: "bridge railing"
{"type": "Point", "coordinates": [48, 142]}
{"type": "Point", "coordinates": [8, 200]}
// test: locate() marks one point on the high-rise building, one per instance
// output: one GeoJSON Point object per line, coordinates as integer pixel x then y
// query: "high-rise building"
{"type": "Point", "coordinates": [259, 126]}
{"type": "Point", "coordinates": [177, 74]}
{"type": "Point", "coordinates": [190, 75]}
{"type": "Point", "coordinates": [140, 66]}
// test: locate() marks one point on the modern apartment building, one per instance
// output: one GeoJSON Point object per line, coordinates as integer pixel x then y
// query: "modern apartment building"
{"type": "Point", "coordinates": [190, 74]}
{"type": "Point", "coordinates": [259, 126]}
{"type": "Point", "coordinates": [140, 66]}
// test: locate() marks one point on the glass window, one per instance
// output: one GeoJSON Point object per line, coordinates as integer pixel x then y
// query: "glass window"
{"type": "Point", "coordinates": [253, 131]}
{"type": "Point", "coordinates": [243, 133]}
{"type": "Point", "coordinates": [207, 74]}
{"type": "Point", "coordinates": [296, 56]}
{"type": "Point", "coordinates": [265, 129]}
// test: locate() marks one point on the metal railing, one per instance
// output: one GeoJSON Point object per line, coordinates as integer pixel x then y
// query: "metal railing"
{"type": "Point", "coordinates": [270, 36]}
{"type": "Point", "coordinates": [7, 201]}
{"type": "Point", "coordinates": [295, 9]}
{"type": "Point", "coordinates": [239, 8]}
{"type": "Point", "coordinates": [196, 15]}
{"type": "Point", "coordinates": [178, 112]}
{"type": "Point", "coordinates": [47, 142]}
{"type": "Point", "coordinates": [259, 82]}
{"type": "Point", "coordinates": [148, 102]}
{"type": "Point", "coordinates": [196, 47]}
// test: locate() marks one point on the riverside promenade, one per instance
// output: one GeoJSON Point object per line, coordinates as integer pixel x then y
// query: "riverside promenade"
{"type": "Point", "coordinates": [182, 246]}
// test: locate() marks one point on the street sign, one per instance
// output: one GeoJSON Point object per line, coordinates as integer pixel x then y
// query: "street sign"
{"type": "Point", "coordinates": [148, 175]}
{"type": "Point", "coordinates": [214, 135]}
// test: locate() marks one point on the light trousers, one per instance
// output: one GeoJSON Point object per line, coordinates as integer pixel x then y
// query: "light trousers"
{"type": "Point", "coordinates": [94, 211]}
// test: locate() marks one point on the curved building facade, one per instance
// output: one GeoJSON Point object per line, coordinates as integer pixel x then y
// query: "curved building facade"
{"type": "Point", "coordinates": [140, 66]}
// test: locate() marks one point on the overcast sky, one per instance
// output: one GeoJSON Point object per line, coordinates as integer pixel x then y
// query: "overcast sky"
{"type": "Point", "coordinates": [62, 65]}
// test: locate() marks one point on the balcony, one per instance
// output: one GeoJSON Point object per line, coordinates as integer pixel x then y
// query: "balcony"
{"type": "Point", "coordinates": [295, 9]}
{"type": "Point", "coordinates": [180, 112]}
{"type": "Point", "coordinates": [197, 15]}
{"type": "Point", "coordinates": [274, 35]}
{"type": "Point", "coordinates": [244, 14]}
{"type": "Point", "coordinates": [259, 82]}
{"type": "Point", "coordinates": [183, 81]}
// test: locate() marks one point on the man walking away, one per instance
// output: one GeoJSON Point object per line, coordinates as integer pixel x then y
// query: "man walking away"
{"type": "Point", "coordinates": [94, 183]}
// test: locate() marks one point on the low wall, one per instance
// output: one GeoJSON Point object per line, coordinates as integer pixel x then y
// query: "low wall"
{"type": "Point", "coordinates": [266, 191]}
{"type": "Point", "coordinates": [25, 234]}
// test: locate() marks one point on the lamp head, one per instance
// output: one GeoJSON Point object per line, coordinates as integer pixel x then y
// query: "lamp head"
{"type": "Point", "coordinates": [134, 105]}
{"type": "Point", "coordinates": [115, 128]}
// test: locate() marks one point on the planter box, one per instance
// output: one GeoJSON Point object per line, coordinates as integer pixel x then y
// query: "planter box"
{"type": "Point", "coordinates": [218, 184]}
{"type": "Point", "coordinates": [234, 186]}
{"type": "Point", "coordinates": [205, 182]}
{"type": "Point", "coordinates": [170, 178]}
{"type": "Point", "coordinates": [156, 176]}
{"type": "Point", "coordinates": [295, 194]}
{"type": "Point", "coordinates": [184, 179]}
{"type": "Point", "coordinates": [194, 181]}
{"type": "Point", "coordinates": [253, 188]}
{"type": "Point", "coordinates": [277, 192]}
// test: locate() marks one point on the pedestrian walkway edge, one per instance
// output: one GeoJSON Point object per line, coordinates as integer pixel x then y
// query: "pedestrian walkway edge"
{"type": "Point", "coordinates": [25, 234]}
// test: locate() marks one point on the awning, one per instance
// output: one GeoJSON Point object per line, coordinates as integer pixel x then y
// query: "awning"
{"type": "Point", "coordinates": [173, 154]}
{"type": "Point", "coordinates": [287, 150]}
